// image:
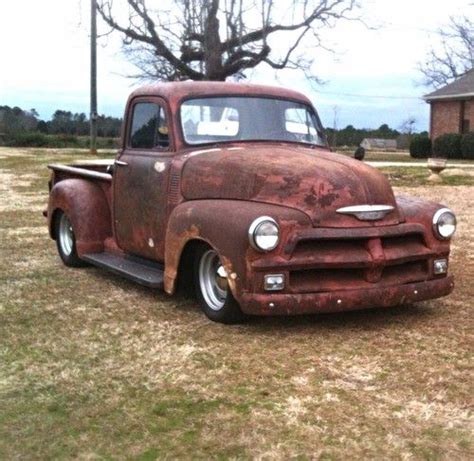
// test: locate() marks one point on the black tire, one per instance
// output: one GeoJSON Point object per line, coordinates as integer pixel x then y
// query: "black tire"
{"type": "Point", "coordinates": [66, 241]}
{"type": "Point", "coordinates": [212, 291]}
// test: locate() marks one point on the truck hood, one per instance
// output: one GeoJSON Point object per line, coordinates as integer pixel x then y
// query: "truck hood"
{"type": "Point", "coordinates": [313, 181]}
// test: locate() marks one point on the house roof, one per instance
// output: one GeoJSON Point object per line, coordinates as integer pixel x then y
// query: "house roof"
{"type": "Point", "coordinates": [460, 88]}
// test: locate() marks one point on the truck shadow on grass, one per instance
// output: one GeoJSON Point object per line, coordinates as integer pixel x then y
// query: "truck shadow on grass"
{"type": "Point", "coordinates": [184, 304]}
{"type": "Point", "coordinates": [364, 320]}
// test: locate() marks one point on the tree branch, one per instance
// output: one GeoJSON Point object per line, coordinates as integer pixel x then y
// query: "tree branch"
{"type": "Point", "coordinates": [151, 39]}
{"type": "Point", "coordinates": [214, 39]}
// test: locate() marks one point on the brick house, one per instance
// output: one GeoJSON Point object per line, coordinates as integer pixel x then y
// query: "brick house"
{"type": "Point", "coordinates": [452, 107]}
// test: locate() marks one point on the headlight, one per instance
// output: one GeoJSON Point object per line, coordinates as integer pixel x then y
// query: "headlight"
{"type": "Point", "coordinates": [444, 223]}
{"type": "Point", "coordinates": [264, 234]}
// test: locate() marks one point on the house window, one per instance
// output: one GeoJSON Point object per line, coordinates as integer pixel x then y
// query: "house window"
{"type": "Point", "coordinates": [149, 128]}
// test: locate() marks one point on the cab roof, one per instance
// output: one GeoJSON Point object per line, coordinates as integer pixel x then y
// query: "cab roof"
{"type": "Point", "coordinates": [175, 92]}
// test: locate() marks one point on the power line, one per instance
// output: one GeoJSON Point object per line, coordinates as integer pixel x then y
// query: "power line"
{"type": "Point", "coordinates": [372, 96]}
{"type": "Point", "coordinates": [408, 26]}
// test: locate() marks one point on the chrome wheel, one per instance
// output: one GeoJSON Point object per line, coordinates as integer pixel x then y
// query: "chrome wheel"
{"type": "Point", "coordinates": [66, 240]}
{"type": "Point", "coordinates": [66, 235]}
{"type": "Point", "coordinates": [212, 280]}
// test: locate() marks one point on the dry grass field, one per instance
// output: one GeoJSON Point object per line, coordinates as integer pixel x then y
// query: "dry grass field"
{"type": "Point", "coordinates": [95, 367]}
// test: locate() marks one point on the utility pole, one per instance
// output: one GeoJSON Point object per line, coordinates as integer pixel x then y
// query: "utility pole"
{"type": "Point", "coordinates": [334, 136]}
{"type": "Point", "coordinates": [93, 113]}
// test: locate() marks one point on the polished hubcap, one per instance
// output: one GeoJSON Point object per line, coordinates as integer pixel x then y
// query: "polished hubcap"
{"type": "Point", "coordinates": [66, 236]}
{"type": "Point", "coordinates": [212, 280]}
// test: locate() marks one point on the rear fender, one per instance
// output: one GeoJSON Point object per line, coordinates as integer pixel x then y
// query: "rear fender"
{"type": "Point", "coordinates": [86, 205]}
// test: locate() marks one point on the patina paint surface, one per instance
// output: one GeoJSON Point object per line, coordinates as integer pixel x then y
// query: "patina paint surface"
{"type": "Point", "coordinates": [140, 203]}
{"type": "Point", "coordinates": [293, 176]}
{"type": "Point", "coordinates": [87, 206]}
{"type": "Point", "coordinates": [338, 301]}
{"type": "Point", "coordinates": [140, 188]}
{"type": "Point", "coordinates": [224, 225]}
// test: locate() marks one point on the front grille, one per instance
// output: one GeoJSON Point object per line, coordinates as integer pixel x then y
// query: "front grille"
{"type": "Point", "coordinates": [361, 261]}
{"type": "Point", "coordinates": [330, 248]}
{"type": "Point", "coordinates": [321, 260]}
{"type": "Point", "coordinates": [314, 280]}
{"type": "Point", "coordinates": [413, 241]}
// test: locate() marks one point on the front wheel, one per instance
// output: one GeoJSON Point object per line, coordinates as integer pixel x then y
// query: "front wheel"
{"type": "Point", "coordinates": [66, 241]}
{"type": "Point", "coordinates": [212, 289]}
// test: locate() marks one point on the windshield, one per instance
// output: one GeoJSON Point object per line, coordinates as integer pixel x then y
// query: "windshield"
{"type": "Point", "coordinates": [218, 119]}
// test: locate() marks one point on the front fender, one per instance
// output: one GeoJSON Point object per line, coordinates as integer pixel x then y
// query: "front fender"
{"type": "Point", "coordinates": [224, 224]}
{"type": "Point", "coordinates": [86, 205]}
{"type": "Point", "coordinates": [417, 210]}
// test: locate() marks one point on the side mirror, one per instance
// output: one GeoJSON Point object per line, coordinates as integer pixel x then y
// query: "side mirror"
{"type": "Point", "coordinates": [359, 153]}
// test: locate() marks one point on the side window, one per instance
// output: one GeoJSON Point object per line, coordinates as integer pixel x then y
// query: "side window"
{"type": "Point", "coordinates": [149, 128]}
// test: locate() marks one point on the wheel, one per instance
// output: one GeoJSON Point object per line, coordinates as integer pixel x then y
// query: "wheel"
{"type": "Point", "coordinates": [66, 241]}
{"type": "Point", "coordinates": [212, 290]}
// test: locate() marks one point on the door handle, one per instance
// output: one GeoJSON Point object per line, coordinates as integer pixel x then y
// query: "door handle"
{"type": "Point", "coordinates": [120, 163]}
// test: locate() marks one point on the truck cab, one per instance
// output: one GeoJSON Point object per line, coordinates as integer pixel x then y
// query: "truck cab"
{"type": "Point", "coordinates": [231, 190]}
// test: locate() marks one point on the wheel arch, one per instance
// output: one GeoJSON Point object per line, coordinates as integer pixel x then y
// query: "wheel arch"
{"type": "Point", "coordinates": [53, 222]}
{"type": "Point", "coordinates": [223, 225]}
{"type": "Point", "coordinates": [184, 281]}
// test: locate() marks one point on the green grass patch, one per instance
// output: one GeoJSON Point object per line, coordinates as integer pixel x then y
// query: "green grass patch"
{"type": "Point", "coordinates": [412, 177]}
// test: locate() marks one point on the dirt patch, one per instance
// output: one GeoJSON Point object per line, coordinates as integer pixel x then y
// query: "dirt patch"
{"type": "Point", "coordinates": [14, 194]}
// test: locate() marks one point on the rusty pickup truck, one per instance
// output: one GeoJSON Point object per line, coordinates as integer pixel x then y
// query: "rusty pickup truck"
{"type": "Point", "coordinates": [231, 189]}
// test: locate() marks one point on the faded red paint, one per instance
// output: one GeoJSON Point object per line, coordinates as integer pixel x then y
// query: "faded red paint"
{"type": "Point", "coordinates": [309, 180]}
{"type": "Point", "coordinates": [331, 261]}
{"type": "Point", "coordinates": [87, 204]}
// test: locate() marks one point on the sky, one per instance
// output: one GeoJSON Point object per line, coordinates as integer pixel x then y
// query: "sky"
{"type": "Point", "coordinates": [371, 79]}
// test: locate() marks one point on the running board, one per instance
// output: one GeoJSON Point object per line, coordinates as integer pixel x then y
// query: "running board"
{"type": "Point", "coordinates": [139, 270]}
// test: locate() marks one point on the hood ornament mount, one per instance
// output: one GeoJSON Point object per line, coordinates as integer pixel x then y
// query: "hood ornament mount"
{"type": "Point", "coordinates": [367, 212]}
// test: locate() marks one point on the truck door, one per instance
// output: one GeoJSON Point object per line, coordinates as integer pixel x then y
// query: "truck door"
{"type": "Point", "coordinates": [141, 180]}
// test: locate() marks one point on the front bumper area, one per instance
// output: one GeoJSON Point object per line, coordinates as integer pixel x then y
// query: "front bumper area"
{"type": "Point", "coordinates": [344, 300]}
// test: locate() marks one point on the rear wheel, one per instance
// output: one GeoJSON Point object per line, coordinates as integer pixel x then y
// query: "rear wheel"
{"type": "Point", "coordinates": [66, 241]}
{"type": "Point", "coordinates": [212, 288]}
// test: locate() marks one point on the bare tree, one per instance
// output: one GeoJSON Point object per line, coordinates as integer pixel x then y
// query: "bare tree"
{"type": "Point", "coordinates": [454, 57]}
{"type": "Point", "coordinates": [407, 130]}
{"type": "Point", "coordinates": [216, 39]}
{"type": "Point", "coordinates": [408, 125]}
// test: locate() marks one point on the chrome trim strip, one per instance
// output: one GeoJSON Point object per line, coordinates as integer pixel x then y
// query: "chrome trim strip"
{"type": "Point", "coordinates": [367, 212]}
{"type": "Point", "coordinates": [81, 172]}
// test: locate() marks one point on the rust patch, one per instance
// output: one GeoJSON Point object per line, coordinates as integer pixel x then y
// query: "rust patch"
{"type": "Point", "coordinates": [298, 177]}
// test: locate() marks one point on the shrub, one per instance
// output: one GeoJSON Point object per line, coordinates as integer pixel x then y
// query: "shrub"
{"type": "Point", "coordinates": [448, 145]}
{"type": "Point", "coordinates": [102, 143]}
{"type": "Point", "coordinates": [67, 140]}
{"type": "Point", "coordinates": [420, 146]}
{"type": "Point", "coordinates": [467, 146]}
{"type": "Point", "coordinates": [36, 139]}
{"type": "Point", "coordinates": [108, 143]}
{"type": "Point", "coordinates": [27, 140]}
